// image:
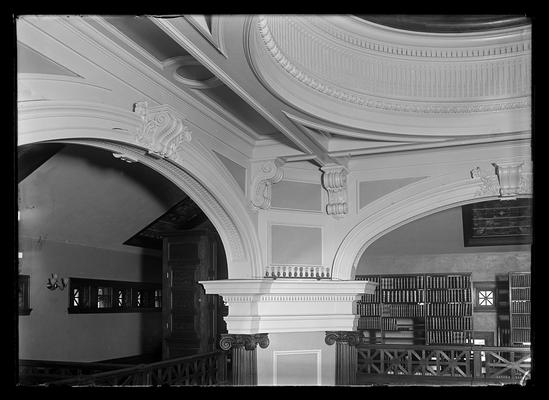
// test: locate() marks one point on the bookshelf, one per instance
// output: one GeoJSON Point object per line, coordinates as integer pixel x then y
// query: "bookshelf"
{"type": "Point", "coordinates": [418, 309]}
{"type": "Point", "coordinates": [449, 308]}
{"type": "Point", "coordinates": [520, 308]}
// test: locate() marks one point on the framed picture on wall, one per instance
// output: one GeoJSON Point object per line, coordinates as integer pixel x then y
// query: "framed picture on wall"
{"type": "Point", "coordinates": [497, 222]}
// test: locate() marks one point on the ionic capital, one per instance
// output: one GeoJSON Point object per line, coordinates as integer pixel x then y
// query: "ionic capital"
{"type": "Point", "coordinates": [248, 342]}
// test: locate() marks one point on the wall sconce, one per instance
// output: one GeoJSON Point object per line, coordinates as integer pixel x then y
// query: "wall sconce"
{"type": "Point", "coordinates": [55, 283]}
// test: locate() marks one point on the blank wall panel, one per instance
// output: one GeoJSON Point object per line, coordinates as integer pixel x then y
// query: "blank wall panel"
{"type": "Point", "coordinates": [236, 170]}
{"type": "Point", "coordinates": [296, 367]}
{"type": "Point", "coordinates": [296, 245]}
{"type": "Point", "coordinates": [297, 196]}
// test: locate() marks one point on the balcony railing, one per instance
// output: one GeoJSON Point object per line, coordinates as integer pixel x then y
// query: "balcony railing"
{"type": "Point", "coordinates": [472, 363]}
{"type": "Point", "coordinates": [202, 369]}
{"type": "Point", "coordinates": [33, 372]}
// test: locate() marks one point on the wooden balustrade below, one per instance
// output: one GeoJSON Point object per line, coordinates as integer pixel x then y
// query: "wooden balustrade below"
{"type": "Point", "coordinates": [34, 372]}
{"type": "Point", "coordinates": [407, 364]}
{"type": "Point", "coordinates": [206, 369]}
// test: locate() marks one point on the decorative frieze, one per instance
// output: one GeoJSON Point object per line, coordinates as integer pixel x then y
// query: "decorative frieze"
{"type": "Point", "coordinates": [297, 271]}
{"type": "Point", "coordinates": [489, 183]}
{"type": "Point", "coordinates": [161, 131]}
{"type": "Point", "coordinates": [334, 179]}
{"type": "Point", "coordinates": [268, 174]}
{"type": "Point", "coordinates": [396, 84]}
{"type": "Point", "coordinates": [248, 342]}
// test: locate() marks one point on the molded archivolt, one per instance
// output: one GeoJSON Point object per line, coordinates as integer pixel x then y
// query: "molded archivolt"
{"type": "Point", "coordinates": [403, 206]}
{"type": "Point", "coordinates": [191, 169]}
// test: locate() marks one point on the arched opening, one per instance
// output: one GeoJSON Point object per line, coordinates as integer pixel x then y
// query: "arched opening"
{"type": "Point", "coordinates": [94, 236]}
{"type": "Point", "coordinates": [445, 278]}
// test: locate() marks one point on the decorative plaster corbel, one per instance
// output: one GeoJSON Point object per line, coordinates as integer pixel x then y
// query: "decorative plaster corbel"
{"type": "Point", "coordinates": [269, 173]}
{"type": "Point", "coordinates": [508, 180]}
{"type": "Point", "coordinates": [334, 179]}
{"type": "Point", "coordinates": [489, 184]}
{"type": "Point", "coordinates": [161, 131]}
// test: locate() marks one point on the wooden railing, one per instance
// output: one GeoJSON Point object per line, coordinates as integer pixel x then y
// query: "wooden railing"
{"type": "Point", "coordinates": [473, 363]}
{"type": "Point", "coordinates": [202, 369]}
{"type": "Point", "coordinates": [32, 372]}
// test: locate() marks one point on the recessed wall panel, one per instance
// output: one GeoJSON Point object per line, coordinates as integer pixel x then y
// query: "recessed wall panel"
{"type": "Point", "coordinates": [373, 190]}
{"type": "Point", "coordinates": [297, 196]}
{"type": "Point", "coordinates": [296, 245]}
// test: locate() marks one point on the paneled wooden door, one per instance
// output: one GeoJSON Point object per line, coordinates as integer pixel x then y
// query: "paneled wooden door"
{"type": "Point", "coordinates": [192, 321]}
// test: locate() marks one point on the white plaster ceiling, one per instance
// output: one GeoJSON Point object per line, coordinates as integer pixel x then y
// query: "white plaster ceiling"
{"type": "Point", "coordinates": [83, 195]}
{"type": "Point", "coordinates": [339, 86]}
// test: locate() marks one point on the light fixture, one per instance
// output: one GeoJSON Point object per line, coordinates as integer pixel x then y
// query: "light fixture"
{"type": "Point", "coordinates": [55, 283]}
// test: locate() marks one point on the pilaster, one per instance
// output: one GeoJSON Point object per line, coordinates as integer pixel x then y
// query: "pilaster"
{"type": "Point", "coordinates": [244, 364]}
{"type": "Point", "coordinates": [346, 355]}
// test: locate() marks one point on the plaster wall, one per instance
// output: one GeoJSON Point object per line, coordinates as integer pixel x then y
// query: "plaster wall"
{"type": "Point", "coordinates": [296, 358]}
{"type": "Point", "coordinates": [51, 333]}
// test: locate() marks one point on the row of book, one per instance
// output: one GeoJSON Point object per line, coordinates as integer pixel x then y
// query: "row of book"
{"type": "Point", "coordinates": [520, 321]}
{"type": "Point", "coordinates": [450, 323]}
{"type": "Point", "coordinates": [372, 298]}
{"type": "Point", "coordinates": [448, 337]}
{"type": "Point", "coordinates": [520, 306]}
{"type": "Point", "coordinates": [368, 308]}
{"type": "Point", "coordinates": [520, 294]}
{"type": "Point", "coordinates": [449, 309]}
{"type": "Point", "coordinates": [520, 280]}
{"type": "Point", "coordinates": [521, 335]}
{"type": "Point", "coordinates": [402, 282]}
{"type": "Point", "coordinates": [403, 310]}
{"type": "Point", "coordinates": [369, 323]}
{"type": "Point", "coordinates": [402, 296]}
{"type": "Point", "coordinates": [445, 296]}
{"type": "Point", "coordinates": [448, 281]}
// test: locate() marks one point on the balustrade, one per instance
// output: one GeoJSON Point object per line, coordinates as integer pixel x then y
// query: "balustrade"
{"type": "Point", "coordinates": [203, 369]}
{"type": "Point", "coordinates": [474, 363]}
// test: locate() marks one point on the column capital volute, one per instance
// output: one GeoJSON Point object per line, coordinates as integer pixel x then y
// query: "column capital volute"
{"type": "Point", "coordinates": [353, 338]}
{"type": "Point", "coordinates": [249, 342]}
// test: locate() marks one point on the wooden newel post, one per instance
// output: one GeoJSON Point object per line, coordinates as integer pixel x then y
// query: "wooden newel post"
{"type": "Point", "coordinates": [244, 360]}
{"type": "Point", "coordinates": [346, 355]}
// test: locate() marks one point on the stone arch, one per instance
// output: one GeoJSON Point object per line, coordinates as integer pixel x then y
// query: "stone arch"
{"type": "Point", "coordinates": [116, 130]}
{"type": "Point", "coordinates": [405, 205]}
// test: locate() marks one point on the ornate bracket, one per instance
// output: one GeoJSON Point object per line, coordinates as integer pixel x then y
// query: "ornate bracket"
{"type": "Point", "coordinates": [161, 131]}
{"type": "Point", "coordinates": [508, 181]}
{"type": "Point", "coordinates": [353, 338]}
{"type": "Point", "coordinates": [249, 342]}
{"type": "Point", "coordinates": [269, 173]}
{"type": "Point", "coordinates": [334, 179]}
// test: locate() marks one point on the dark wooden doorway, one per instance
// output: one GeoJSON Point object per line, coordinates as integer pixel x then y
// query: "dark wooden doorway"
{"type": "Point", "coordinates": [192, 320]}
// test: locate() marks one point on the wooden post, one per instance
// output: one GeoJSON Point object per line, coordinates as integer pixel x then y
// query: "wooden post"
{"type": "Point", "coordinates": [244, 362]}
{"type": "Point", "coordinates": [346, 355]}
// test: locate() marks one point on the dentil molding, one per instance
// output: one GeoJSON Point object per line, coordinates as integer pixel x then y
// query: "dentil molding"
{"type": "Point", "coordinates": [289, 305]}
{"type": "Point", "coordinates": [162, 132]}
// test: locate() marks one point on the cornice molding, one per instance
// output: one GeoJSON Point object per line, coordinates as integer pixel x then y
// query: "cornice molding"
{"type": "Point", "coordinates": [397, 85]}
{"type": "Point", "coordinates": [293, 305]}
{"type": "Point", "coordinates": [369, 36]}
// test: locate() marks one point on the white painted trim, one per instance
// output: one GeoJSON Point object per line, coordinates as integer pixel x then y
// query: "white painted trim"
{"type": "Point", "coordinates": [310, 182]}
{"type": "Point", "coordinates": [92, 124]}
{"type": "Point", "coordinates": [318, 353]}
{"type": "Point", "coordinates": [404, 205]}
